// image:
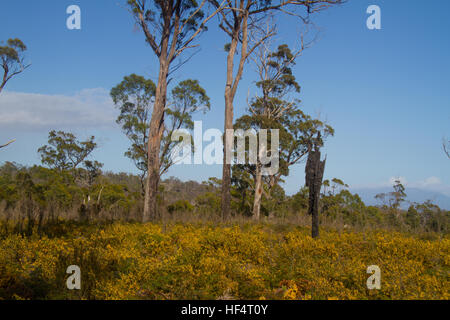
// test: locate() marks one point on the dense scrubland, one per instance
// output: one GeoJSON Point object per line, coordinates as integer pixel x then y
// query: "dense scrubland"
{"type": "Point", "coordinates": [49, 221]}
{"type": "Point", "coordinates": [33, 198]}
{"type": "Point", "coordinates": [171, 260]}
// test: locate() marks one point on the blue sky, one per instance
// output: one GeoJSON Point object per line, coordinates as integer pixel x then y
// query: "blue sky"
{"type": "Point", "coordinates": [386, 92]}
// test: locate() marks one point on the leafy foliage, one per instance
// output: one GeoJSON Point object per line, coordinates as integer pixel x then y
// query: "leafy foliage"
{"type": "Point", "coordinates": [273, 109]}
{"type": "Point", "coordinates": [135, 97]}
{"type": "Point", "coordinates": [12, 60]}
{"type": "Point", "coordinates": [65, 152]}
{"type": "Point", "coordinates": [176, 22]}
{"type": "Point", "coordinates": [202, 261]}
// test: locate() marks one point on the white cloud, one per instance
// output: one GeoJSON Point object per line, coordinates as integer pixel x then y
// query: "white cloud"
{"type": "Point", "coordinates": [432, 183]}
{"type": "Point", "coordinates": [87, 108]}
{"type": "Point", "coordinates": [429, 182]}
{"type": "Point", "coordinates": [393, 180]}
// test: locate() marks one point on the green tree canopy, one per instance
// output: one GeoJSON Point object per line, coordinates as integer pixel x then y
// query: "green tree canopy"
{"type": "Point", "coordinates": [12, 60]}
{"type": "Point", "coordinates": [274, 109]}
{"type": "Point", "coordinates": [134, 97]}
{"type": "Point", "coordinates": [64, 151]}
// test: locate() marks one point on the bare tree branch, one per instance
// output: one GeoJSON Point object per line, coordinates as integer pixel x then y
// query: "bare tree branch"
{"type": "Point", "coordinates": [7, 144]}
{"type": "Point", "coordinates": [186, 44]}
{"type": "Point", "coordinates": [446, 147]}
{"type": "Point", "coordinates": [12, 60]}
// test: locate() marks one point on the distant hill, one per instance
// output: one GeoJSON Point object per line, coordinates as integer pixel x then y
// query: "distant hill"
{"type": "Point", "coordinates": [413, 195]}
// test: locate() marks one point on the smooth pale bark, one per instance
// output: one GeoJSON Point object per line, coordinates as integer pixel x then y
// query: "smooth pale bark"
{"type": "Point", "coordinates": [258, 184]}
{"type": "Point", "coordinates": [230, 93]}
{"type": "Point", "coordinates": [167, 53]}
{"type": "Point", "coordinates": [258, 194]}
{"type": "Point", "coordinates": [226, 169]}
{"type": "Point", "coordinates": [154, 139]}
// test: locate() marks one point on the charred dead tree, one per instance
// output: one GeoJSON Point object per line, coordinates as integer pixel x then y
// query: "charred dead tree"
{"type": "Point", "coordinates": [313, 178]}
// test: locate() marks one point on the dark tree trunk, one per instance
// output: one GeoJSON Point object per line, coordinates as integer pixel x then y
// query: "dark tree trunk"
{"type": "Point", "coordinates": [314, 175]}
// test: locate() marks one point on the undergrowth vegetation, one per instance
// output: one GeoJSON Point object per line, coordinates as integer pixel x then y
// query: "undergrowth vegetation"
{"type": "Point", "coordinates": [229, 261]}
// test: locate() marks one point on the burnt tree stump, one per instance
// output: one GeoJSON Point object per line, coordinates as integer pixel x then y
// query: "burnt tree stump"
{"type": "Point", "coordinates": [313, 176]}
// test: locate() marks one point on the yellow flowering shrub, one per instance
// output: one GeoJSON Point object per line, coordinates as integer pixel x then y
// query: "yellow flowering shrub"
{"type": "Point", "coordinates": [202, 261]}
